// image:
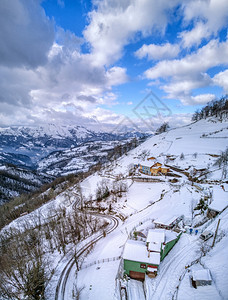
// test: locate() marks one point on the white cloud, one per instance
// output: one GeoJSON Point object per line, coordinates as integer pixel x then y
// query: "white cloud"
{"type": "Point", "coordinates": [194, 36]}
{"type": "Point", "coordinates": [212, 54]}
{"type": "Point", "coordinates": [116, 76]}
{"type": "Point", "coordinates": [114, 23]}
{"type": "Point", "coordinates": [208, 17]}
{"type": "Point", "coordinates": [157, 52]}
{"type": "Point", "coordinates": [202, 98]}
{"type": "Point", "coordinates": [26, 33]}
{"type": "Point", "coordinates": [221, 79]}
{"type": "Point", "coordinates": [213, 12]}
{"type": "Point", "coordinates": [61, 3]}
{"type": "Point", "coordinates": [189, 73]}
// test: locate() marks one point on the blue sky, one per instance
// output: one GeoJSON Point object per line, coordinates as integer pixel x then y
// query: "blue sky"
{"type": "Point", "coordinates": [93, 62]}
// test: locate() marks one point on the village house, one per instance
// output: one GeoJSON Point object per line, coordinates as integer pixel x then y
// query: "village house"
{"type": "Point", "coordinates": [138, 261]}
{"type": "Point", "coordinates": [201, 278]}
{"type": "Point", "coordinates": [164, 170]}
{"type": "Point", "coordinates": [142, 258]}
{"type": "Point", "coordinates": [157, 164]}
{"type": "Point", "coordinates": [161, 241]}
{"type": "Point", "coordinates": [219, 203]}
{"type": "Point", "coordinates": [166, 222]}
{"type": "Point", "coordinates": [145, 168]}
{"type": "Point", "coordinates": [152, 170]}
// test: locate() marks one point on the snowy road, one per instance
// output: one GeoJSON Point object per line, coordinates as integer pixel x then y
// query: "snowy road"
{"type": "Point", "coordinates": [172, 267]}
{"type": "Point", "coordinates": [60, 293]}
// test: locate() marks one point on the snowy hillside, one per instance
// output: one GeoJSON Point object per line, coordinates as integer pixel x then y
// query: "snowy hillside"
{"type": "Point", "coordinates": [78, 159]}
{"type": "Point", "coordinates": [196, 181]}
{"type": "Point", "coordinates": [15, 181]}
{"type": "Point", "coordinates": [201, 144]}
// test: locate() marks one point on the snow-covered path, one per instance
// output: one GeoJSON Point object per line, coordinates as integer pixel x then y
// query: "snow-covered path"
{"type": "Point", "coordinates": [172, 267]}
{"type": "Point", "coordinates": [135, 290]}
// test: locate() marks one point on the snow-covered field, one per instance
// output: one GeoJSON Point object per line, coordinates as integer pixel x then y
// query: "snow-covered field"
{"type": "Point", "coordinates": [143, 202]}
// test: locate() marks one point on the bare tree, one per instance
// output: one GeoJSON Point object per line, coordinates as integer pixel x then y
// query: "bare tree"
{"type": "Point", "coordinates": [76, 292]}
{"type": "Point", "coordinates": [24, 270]}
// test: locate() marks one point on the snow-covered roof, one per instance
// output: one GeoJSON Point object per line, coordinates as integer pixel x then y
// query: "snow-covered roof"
{"type": "Point", "coordinates": [137, 251]}
{"type": "Point", "coordinates": [147, 163]}
{"type": "Point", "coordinates": [155, 236]}
{"type": "Point", "coordinates": [154, 247]}
{"type": "Point", "coordinates": [170, 235]}
{"type": "Point", "coordinates": [220, 201]}
{"type": "Point", "coordinates": [201, 275]}
{"type": "Point", "coordinates": [165, 220]}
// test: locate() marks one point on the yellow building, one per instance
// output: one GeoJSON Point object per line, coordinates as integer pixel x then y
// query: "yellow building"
{"type": "Point", "coordinates": [157, 164]}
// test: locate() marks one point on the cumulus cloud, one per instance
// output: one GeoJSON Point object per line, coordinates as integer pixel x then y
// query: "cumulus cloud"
{"type": "Point", "coordinates": [202, 98]}
{"type": "Point", "coordinates": [194, 36]}
{"type": "Point", "coordinates": [157, 52]}
{"type": "Point", "coordinates": [114, 23]}
{"type": "Point", "coordinates": [208, 18]}
{"type": "Point", "coordinates": [212, 54]}
{"type": "Point", "coordinates": [26, 33]}
{"type": "Point", "coordinates": [221, 79]}
{"type": "Point", "coordinates": [189, 73]}
{"type": "Point", "coordinates": [46, 76]}
{"type": "Point", "coordinates": [41, 89]}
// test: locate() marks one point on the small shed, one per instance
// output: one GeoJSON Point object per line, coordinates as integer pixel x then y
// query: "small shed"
{"type": "Point", "coordinates": [166, 222]}
{"type": "Point", "coordinates": [219, 203]}
{"type": "Point", "coordinates": [201, 278]}
{"type": "Point", "coordinates": [151, 158]}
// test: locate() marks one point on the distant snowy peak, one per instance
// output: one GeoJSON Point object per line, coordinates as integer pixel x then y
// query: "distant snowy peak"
{"type": "Point", "coordinates": [52, 130]}
{"type": "Point", "coordinates": [65, 131]}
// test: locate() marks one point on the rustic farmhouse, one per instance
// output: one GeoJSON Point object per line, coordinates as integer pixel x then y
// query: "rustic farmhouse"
{"type": "Point", "coordinates": [161, 241]}
{"type": "Point", "coordinates": [144, 258]}
{"type": "Point", "coordinates": [152, 170]}
{"type": "Point", "coordinates": [138, 261]}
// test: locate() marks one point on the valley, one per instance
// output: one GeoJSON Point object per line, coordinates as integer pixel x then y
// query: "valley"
{"type": "Point", "coordinates": [54, 151]}
{"type": "Point", "coordinates": [195, 183]}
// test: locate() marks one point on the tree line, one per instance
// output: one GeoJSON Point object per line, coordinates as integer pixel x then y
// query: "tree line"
{"type": "Point", "coordinates": [217, 108]}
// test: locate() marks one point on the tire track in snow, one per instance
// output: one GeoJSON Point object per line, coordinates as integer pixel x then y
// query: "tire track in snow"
{"type": "Point", "coordinates": [171, 267]}
{"type": "Point", "coordinates": [61, 286]}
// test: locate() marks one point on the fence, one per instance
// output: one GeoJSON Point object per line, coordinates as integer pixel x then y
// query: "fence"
{"type": "Point", "coordinates": [147, 179]}
{"type": "Point", "coordinates": [101, 261]}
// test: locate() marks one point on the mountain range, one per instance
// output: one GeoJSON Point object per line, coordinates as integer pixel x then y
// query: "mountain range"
{"type": "Point", "coordinates": [45, 152]}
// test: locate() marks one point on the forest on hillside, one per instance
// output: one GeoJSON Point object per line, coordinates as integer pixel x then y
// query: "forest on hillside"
{"type": "Point", "coordinates": [217, 108]}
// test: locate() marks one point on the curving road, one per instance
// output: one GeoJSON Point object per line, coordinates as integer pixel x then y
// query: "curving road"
{"type": "Point", "coordinates": [61, 285]}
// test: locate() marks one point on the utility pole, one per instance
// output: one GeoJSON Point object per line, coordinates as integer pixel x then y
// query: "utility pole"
{"type": "Point", "coordinates": [216, 231]}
